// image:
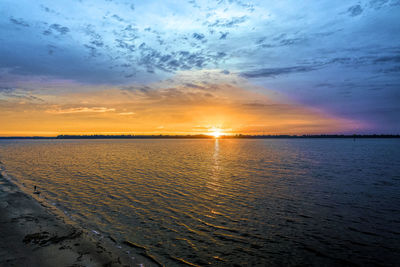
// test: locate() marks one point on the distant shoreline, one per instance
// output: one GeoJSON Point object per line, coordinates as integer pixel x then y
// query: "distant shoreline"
{"type": "Point", "coordinates": [203, 136]}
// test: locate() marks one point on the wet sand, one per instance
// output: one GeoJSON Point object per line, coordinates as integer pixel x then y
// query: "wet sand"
{"type": "Point", "coordinates": [32, 235]}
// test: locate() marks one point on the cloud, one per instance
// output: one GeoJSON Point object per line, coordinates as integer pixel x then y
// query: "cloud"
{"type": "Point", "coordinates": [191, 85]}
{"type": "Point", "coordinates": [226, 72]}
{"type": "Point", "coordinates": [223, 35]}
{"type": "Point", "coordinates": [391, 70]}
{"type": "Point", "coordinates": [13, 95]}
{"type": "Point", "coordinates": [272, 72]}
{"type": "Point", "coordinates": [56, 29]}
{"type": "Point", "coordinates": [93, 50]}
{"type": "Point", "coordinates": [95, 38]}
{"type": "Point", "coordinates": [384, 59]}
{"type": "Point", "coordinates": [228, 23]}
{"type": "Point", "coordinates": [19, 22]}
{"type": "Point", "coordinates": [81, 110]}
{"type": "Point", "coordinates": [180, 60]}
{"type": "Point", "coordinates": [48, 10]}
{"type": "Point", "coordinates": [118, 18]}
{"type": "Point", "coordinates": [377, 4]}
{"type": "Point", "coordinates": [5, 89]}
{"type": "Point", "coordinates": [198, 36]}
{"type": "Point", "coordinates": [355, 10]}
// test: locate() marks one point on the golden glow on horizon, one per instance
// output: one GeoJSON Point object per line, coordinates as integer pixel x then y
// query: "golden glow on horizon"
{"type": "Point", "coordinates": [226, 106]}
{"type": "Point", "coordinates": [216, 133]}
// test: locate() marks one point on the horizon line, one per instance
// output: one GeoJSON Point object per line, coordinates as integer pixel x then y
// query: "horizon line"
{"type": "Point", "coordinates": [201, 136]}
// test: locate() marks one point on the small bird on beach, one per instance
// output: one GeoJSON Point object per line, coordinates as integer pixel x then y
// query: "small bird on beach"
{"type": "Point", "coordinates": [35, 190]}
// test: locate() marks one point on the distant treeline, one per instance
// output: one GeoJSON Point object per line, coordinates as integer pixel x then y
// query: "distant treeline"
{"type": "Point", "coordinates": [222, 136]}
{"type": "Point", "coordinates": [203, 136]}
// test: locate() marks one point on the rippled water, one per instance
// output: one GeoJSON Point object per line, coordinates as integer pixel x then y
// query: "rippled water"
{"type": "Point", "coordinates": [226, 202]}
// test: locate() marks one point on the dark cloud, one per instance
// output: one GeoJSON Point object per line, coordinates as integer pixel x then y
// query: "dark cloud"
{"type": "Point", "coordinates": [195, 86]}
{"type": "Point", "coordinates": [228, 23]}
{"type": "Point", "coordinates": [223, 35]}
{"type": "Point", "coordinates": [92, 51]}
{"type": "Point", "coordinates": [377, 4]}
{"type": "Point", "coordinates": [56, 28]}
{"type": "Point", "coordinates": [272, 72]}
{"type": "Point", "coordinates": [355, 10]}
{"type": "Point", "coordinates": [174, 64]}
{"type": "Point", "coordinates": [6, 89]}
{"type": "Point", "coordinates": [92, 34]}
{"type": "Point", "coordinates": [256, 105]}
{"type": "Point", "coordinates": [51, 49]}
{"type": "Point", "coordinates": [129, 32]}
{"type": "Point", "coordinates": [118, 18]}
{"type": "Point", "coordinates": [342, 60]}
{"type": "Point", "coordinates": [370, 58]}
{"type": "Point", "coordinates": [152, 58]}
{"type": "Point", "coordinates": [130, 75]}
{"type": "Point", "coordinates": [357, 62]}
{"type": "Point", "coordinates": [394, 69]}
{"type": "Point", "coordinates": [291, 41]}
{"type": "Point", "coordinates": [97, 43]}
{"type": "Point", "coordinates": [14, 93]}
{"type": "Point", "coordinates": [384, 59]}
{"type": "Point", "coordinates": [395, 3]}
{"type": "Point", "coordinates": [193, 3]}
{"type": "Point", "coordinates": [198, 36]}
{"type": "Point", "coordinates": [226, 72]}
{"type": "Point", "coordinates": [19, 22]}
{"type": "Point", "coordinates": [260, 40]}
{"type": "Point", "coordinates": [48, 10]}
{"type": "Point", "coordinates": [280, 41]}
{"type": "Point", "coordinates": [325, 34]}
{"type": "Point", "coordinates": [125, 45]}
{"type": "Point", "coordinates": [60, 29]}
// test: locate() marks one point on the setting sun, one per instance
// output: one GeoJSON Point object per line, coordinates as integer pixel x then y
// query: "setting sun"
{"type": "Point", "coordinates": [216, 133]}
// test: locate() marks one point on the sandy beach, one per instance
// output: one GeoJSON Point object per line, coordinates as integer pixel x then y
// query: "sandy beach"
{"type": "Point", "coordinates": [32, 235]}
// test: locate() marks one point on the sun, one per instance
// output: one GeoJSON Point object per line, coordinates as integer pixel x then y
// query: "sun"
{"type": "Point", "coordinates": [216, 133]}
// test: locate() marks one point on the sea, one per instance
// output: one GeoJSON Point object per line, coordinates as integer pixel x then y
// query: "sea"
{"type": "Point", "coordinates": [224, 202]}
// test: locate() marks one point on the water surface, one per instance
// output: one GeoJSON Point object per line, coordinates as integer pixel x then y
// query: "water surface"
{"type": "Point", "coordinates": [226, 202]}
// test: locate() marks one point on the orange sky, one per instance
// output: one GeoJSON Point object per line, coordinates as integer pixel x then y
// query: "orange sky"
{"type": "Point", "coordinates": [187, 104]}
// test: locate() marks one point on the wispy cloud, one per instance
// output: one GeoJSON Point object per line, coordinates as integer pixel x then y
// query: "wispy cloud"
{"type": "Point", "coordinates": [81, 110]}
{"type": "Point", "coordinates": [272, 72]}
{"type": "Point", "coordinates": [19, 22]}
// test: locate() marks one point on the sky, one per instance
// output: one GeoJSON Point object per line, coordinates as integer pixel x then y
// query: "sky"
{"type": "Point", "coordinates": [191, 67]}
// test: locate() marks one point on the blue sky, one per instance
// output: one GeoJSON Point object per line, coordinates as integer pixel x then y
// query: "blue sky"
{"type": "Point", "coordinates": [342, 57]}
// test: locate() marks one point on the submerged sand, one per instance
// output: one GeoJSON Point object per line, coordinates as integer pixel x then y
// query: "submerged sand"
{"type": "Point", "coordinates": [32, 235]}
